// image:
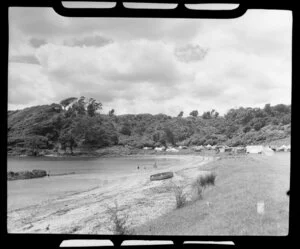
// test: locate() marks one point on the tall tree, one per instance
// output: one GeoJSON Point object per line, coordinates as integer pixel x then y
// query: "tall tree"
{"type": "Point", "coordinates": [35, 143]}
{"type": "Point", "coordinates": [93, 106]}
{"type": "Point", "coordinates": [67, 140]}
{"type": "Point", "coordinates": [180, 115]}
{"type": "Point", "coordinates": [111, 113]}
{"type": "Point", "coordinates": [65, 102]}
{"type": "Point", "coordinates": [194, 113]}
{"type": "Point", "coordinates": [79, 106]}
{"type": "Point", "coordinates": [206, 115]}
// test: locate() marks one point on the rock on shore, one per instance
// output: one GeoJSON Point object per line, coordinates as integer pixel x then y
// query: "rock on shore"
{"type": "Point", "coordinates": [36, 173]}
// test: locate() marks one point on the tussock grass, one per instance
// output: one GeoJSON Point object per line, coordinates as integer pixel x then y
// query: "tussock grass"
{"type": "Point", "coordinates": [206, 180]}
{"type": "Point", "coordinates": [202, 182]}
{"type": "Point", "coordinates": [120, 226]}
{"type": "Point", "coordinates": [180, 196]}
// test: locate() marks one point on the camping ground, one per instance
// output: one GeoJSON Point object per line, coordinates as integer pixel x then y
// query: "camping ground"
{"type": "Point", "coordinates": [231, 206]}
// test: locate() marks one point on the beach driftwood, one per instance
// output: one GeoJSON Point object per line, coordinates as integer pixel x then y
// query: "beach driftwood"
{"type": "Point", "coordinates": [161, 176]}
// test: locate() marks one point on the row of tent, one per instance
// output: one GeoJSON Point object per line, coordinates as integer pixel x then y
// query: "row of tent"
{"type": "Point", "coordinates": [171, 149]}
{"type": "Point", "coordinates": [252, 149]}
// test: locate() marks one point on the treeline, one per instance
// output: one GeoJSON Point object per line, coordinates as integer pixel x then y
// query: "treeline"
{"type": "Point", "coordinates": [80, 123]}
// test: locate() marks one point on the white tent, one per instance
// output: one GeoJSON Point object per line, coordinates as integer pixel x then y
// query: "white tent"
{"type": "Point", "coordinates": [282, 148]}
{"type": "Point", "coordinates": [182, 147]}
{"type": "Point", "coordinates": [222, 149]}
{"type": "Point", "coordinates": [198, 148]}
{"type": "Point", "coordinates": [254, 149]}
{"type": "Point", "coordinates": [172, 150]}
{"type": "Point", "coordinates": [159, 148]}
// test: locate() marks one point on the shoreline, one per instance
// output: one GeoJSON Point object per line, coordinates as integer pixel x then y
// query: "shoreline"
{"type": "Point", "coordinates": [86, 211]}
{"type": "Point", "coordinates": [125, 151]}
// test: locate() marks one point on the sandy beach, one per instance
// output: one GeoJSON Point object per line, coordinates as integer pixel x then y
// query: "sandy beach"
{"type": "Point", "coordinates": [86, 211]}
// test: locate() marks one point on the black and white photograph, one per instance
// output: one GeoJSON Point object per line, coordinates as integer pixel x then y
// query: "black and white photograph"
{"type": "Point", "coordinates": [149, 126]}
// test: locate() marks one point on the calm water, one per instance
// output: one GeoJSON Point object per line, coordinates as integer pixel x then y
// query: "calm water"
{"type": "Point", "coordinates": [88, 165]}
{"type": "Point", "coordinates": [89, 174]}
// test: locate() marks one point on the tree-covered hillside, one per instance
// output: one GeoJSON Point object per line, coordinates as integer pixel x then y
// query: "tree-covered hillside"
{"type": "Point", "coordinates": [79, 123]}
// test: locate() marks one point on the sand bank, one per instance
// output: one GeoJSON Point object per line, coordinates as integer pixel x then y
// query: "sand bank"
{"type": "Point", "coordinates": [86, 212]}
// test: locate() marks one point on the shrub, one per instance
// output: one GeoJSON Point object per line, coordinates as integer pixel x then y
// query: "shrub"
{"type": "Point", "coordinates": [194, 113]}
{"type": "Point", "coordinates": [246, 129]}
{"type": "Point", "coordinates": [119, 222]}
{"type": "Point", "coordinates": [180, 196]}
{"type": "Point", "coordinates": [125, 130]}
{"type": "Point", "coordinates": [258, 124]}
{"type": "Point", "coordinates": [206, 180]}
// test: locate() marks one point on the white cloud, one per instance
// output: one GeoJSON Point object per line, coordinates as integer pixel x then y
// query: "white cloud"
{"type": "Point", "coordinates": [139, 66]}
{"type": "Point", "coordinates": [28, 86]}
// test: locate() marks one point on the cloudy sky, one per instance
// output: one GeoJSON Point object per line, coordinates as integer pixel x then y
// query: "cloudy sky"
{"type": "Point", "coordinates": [150, 65]}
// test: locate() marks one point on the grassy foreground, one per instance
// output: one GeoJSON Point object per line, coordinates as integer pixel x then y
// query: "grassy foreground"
{"type": "Point", "coordinates": [230, 207]}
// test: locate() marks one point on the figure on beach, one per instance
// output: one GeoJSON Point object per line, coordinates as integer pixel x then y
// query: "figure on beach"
{"type": "Point", "coordinates": [138, 167]}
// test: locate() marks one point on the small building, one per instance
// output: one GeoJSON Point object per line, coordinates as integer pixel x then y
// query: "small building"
{"type": "Point", "coordinates": [228, 149]}
{"type": "Point", "coordinates": [259, 149]}
{"type": "Point", "coordinates": [238, 150]}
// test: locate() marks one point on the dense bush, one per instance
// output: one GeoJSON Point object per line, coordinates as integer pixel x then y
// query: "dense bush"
{"type": "Point", "coordinates": [87, 127]}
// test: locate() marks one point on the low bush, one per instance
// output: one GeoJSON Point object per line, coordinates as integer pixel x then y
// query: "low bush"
{"type": "Point", "coordinates": [120, 226]}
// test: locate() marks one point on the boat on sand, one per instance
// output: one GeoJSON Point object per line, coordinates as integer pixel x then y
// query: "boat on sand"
{"type": "Point", "coordinates": [161, 176]}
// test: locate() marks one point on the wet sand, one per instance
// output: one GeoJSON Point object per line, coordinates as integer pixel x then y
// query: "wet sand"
{"type": "Point", "coordinates": [85, 211]}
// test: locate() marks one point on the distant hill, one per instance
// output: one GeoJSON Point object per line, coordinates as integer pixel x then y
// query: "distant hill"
{"type": "Point", "coordinates": [82, 127]}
